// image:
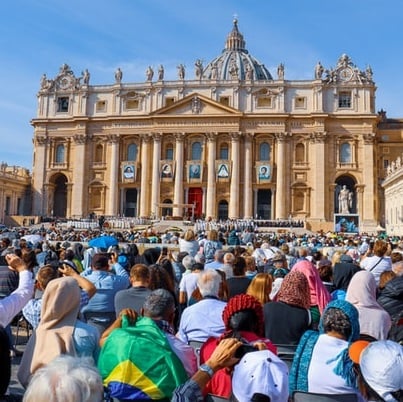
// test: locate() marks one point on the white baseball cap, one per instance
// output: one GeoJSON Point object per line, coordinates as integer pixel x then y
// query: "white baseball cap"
{"type": "Point", "coordinates": [381, 364]}
{"type": "Point", "coordinates": [260, 372]}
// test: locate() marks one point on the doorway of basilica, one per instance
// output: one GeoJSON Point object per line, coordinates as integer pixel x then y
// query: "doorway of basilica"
{"type": "Point", "coordinates": [59, 206]}
{"type": "Point", "coordinates": [223, 210]}
{"type": "Point", "coordinates": [130, 208]}
{"type": "Point", "coordinates": [264, 204]}
{"type": "Point", "coordinates": [195, 196]}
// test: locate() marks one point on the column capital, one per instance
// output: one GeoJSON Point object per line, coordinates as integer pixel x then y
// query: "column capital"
{"type": "Point", "coordinates": [280, 137]}
{"type": "Point", "coordinates": [179, 136]}
{"type": "Point", "coordinates": [236, 135]}
{"type": "Point", "coordinates": [157, 137]}
{"type": "Point", "coordinates": [146, 137]}
{"type": "Point", "coordinates": [211, 137]}
{"type": "Point", "coordinates": [368, 138]}
{"type": "Point", "coordinates": [80, 139]}
{"type": "Point", "coordinates": [112, 138]}
{"type": "Point", "coordinates": [249, 136]}
{"type": "Point", "coordinates": [42, 140]}
{"type": "Point", "coordinates": [318, 137]}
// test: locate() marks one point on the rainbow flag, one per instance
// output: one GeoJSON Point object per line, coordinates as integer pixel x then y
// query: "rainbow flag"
{"type": "Point", "coordinates": [137, 362]}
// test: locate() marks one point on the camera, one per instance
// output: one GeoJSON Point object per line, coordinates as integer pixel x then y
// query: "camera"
{"type": "Point", "coordinates": [243, 349]}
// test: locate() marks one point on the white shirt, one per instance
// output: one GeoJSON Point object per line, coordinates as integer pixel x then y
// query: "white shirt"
{"type": "Point", "coordinates": [384, 264]}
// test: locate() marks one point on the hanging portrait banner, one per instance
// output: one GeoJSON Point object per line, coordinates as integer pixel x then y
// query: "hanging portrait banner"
{"type": "Point", "coordinates": [263, 172]}
{"type": "Point", "coordinates": [167, 170]}
{"type": "Point", "coordinates": [194, 172]}
{"type": "Point", "coordinates": [223, 171]}
{"type": "Point", "coordinates": [128, 172]}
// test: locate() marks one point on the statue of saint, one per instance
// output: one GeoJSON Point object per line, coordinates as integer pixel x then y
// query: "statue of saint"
{"type": "Point", "coordinates": [118, 75]}
{"type": "Point", "coordinates": [318, 71]}
{"type": "Point", "coordinates": [86, 77]}
{"type": "Point", "coordinates": [198, 69]}
{"type": "Point", "coordinates": [149, 73]}
{"type": "Point", "coordinates": [280, 71]}
{"type": "Point", "coordinates": [345, 200]}
{"type": "Point", "coordinates": [160, 72]}
{"type": "Point", "coordinates": [181, 72]}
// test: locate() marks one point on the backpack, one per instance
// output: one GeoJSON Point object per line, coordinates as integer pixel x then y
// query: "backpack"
{"type": "Point", "coordinates": [209, 250]}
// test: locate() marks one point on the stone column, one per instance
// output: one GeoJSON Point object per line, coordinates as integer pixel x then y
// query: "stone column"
{"type": "Point", "coordinates": [319, 202]}
{"type": "Point", "coordinates": [178, 185]}
{"type": "Point", "coordinates": [80, 189]}
{"type": "Point", "coordinates": [68, 199]}
{"type": "Point", "coordinates": [112, 204]}
{"type": "Point", "coordinates": [39, 200]}
{"type": "Point", "coordinates": [155, 181]}
{"type": "Point", "coordinates": [211, 175]}
{"type": "Point", "coordinates": [281, 210]}
{"type": "Point", "coordinates": [248, 179]}
{"type": "Point", "coordinates": [144, 190]}
{"type": "Point", "coordinates": [233, 212]}
{"type": "Point", "coordinates": [370, 190]}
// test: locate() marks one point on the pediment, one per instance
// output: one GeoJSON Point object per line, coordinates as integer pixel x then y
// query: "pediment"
{"type": "Point", "coordinates": [196, 104]}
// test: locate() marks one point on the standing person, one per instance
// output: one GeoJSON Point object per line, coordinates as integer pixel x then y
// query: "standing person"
{"type": "Point", "coordinates": [188, 283]}
{"type": "Point", "coordinates": [189, 244]}
{"type": "Point", "coordinates": [379, 262]}
{"type": "Point", "coordinates": [100, 311]}
{"type": "Point", "coordinates": [374, 320]}
{"type": "Point", "coordinates": [211, 245]}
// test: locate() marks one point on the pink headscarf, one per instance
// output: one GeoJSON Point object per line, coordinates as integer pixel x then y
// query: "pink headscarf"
{"type": "Point", "coordinates": [319, 295]}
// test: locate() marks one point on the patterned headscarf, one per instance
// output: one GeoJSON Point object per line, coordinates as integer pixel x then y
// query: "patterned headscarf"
{"type": "Point", "coordinates": [303, 354]}
{"type": "Point", "coordinates": [294, 290]}
{"type": "Point", "coordinates": [243, 302]}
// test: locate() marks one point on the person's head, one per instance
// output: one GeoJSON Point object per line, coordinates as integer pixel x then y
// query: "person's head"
{"type": "Point", "coordinates": [188, 261]}
{"type": "Point", "coordinates": [278, 260]}
{"type": "Point", "coordinates": [385, 277]}
{"type": "Point", "coordinates": [285, 248]}
{"type": "Point", "coordinates": [151, 255]}
{"type": "Point", "coordinates": [380, 248]}
{"type": "Point", "coordinates": [212, 235]}
{"type": "Point", "coordinates": [229, 258]}
{"type": "Point", "coordinates": [159, 305]}
{"type": "Point", "coordinates": [199, 257]}
{"type": "Point", "coordinates": [66, 379]}
{"type": "Point", "coordinates": [303, 252]}
{"type": "Point", "coordinates": [239, 266]}
{"type": "Point", "coordinates": [294, 290]}
{"type": "Point", "coordinates": [209, 282]}
{"type": "Point", "coordinates": [219, 256]}
{"type": "Point", "coordinates": [250, 263]}
{"type": "Point", "coordinates": [139, 273]}
{"type": "Point", "coordinates": [45, 275]}
{"type": "Point", "coordinates": [160, 278]}
{"type": "Point", "coordinates": [396, 256]}
{"type": "Point", "coordinates": [197, 267]}
{"type": "Point", "coordinates": [380, 369]}
{"type": "Point", "coordinates": [260, 287]}
{"type": "Point", "coordinates": [325, 270]}
{"type": "Point", "coordinates": [29, 257]}
{"type": "Point", "coordinates": [243, 313]}
{"type": "Point", "coordinates": [189, 235]}
{"type": "Point", "coordinates": [341, 318]}
{"type": "Point", "coordinates": [100, 262]}
{"type": "Point", "coordinates": [397, 268]}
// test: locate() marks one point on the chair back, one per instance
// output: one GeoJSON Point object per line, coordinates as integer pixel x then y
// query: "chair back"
{"type": "Point", "coordinates": [286, 353]}
{"type": "Point", "coordinates": [300, 396]}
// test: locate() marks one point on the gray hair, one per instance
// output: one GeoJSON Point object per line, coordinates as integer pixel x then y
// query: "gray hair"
{"type": "Point", "coordinates": [66, 379]}
{"type": "Point", "coordinates": [208, 283]}
{"type": "Point", "coordinates": [188, 261]}
{"type": "Point", "coordinates": [158, 304]}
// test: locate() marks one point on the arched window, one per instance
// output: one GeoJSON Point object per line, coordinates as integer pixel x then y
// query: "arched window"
{"type": "Point", "coordinates": [345, 153]}
{"type": "Point", "coordinates": [264, 151]}
{"type": "Point", "coordinates": [132, 152]}
{"type": "Point", "coordinates": [169, 152]}
{"type": "Point", "coordinates": [196, 151]}
{"type": "Point", "coordinates": [224, 151]}
{"type": "Point", "coordinates": [60, 153]}
{"type": "Point", "coordinates": [300, 153]}
{"type": "Point", "coordinates": [99, 153]}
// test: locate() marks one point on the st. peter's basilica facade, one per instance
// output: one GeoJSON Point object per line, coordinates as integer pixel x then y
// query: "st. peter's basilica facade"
{"type": "Point", "coordinates": [225, 140]}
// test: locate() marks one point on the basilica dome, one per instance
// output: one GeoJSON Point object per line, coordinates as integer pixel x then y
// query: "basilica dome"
{"type": "Point", "coordinates": [235, 62]}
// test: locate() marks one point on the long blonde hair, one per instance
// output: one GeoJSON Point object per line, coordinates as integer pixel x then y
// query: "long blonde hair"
{"type": "Point", "coordinates": [260, 287]}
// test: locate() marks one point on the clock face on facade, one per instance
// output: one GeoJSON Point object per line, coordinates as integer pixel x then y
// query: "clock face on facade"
{"type": "Point", "coordinates": [345, 74]}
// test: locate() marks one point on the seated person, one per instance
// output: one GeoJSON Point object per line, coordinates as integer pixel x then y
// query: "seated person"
{"type": "Point", "coordinates": [59, 331]}
{"type": "Point", "coordinates": [380, 368]}
{"type": "Point", "coordinates": [243, 319]}
{"type": "Point", "coordinates": [65, 379]}
{"type": "Point", "coordinates": [140, 357]}
{"type": "Point", "coordinates": [321, 363]}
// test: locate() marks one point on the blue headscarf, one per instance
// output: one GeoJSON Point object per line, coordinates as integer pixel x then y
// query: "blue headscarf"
{"type": "Point", "coordinates": [344, 367]}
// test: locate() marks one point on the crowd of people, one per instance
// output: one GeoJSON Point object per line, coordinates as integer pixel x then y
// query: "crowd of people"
{"type": "Point", "coordinates": [201, 312]}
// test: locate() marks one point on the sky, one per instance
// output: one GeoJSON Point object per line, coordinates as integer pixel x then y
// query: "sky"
{"type": "Point", "coordinates": [38, 36]}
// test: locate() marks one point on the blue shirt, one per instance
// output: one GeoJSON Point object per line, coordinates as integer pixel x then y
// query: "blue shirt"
{"type": "Point", "coordinates": [107, 285]}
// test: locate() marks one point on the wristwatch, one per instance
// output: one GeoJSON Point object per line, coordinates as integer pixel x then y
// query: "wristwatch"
{"type": "Point", "coordinates": [207, 369]}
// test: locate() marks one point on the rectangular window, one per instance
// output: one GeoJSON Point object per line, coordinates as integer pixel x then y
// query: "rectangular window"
{"type": "Point", "coordinates": [224, 100]}
{"type": "Point", "coordinates": [385, 163]}
{"type": "Point", "coordinates": [101, 106]}
{"type": "Point", "coordinates": [63, 104]}
{"type": "Point", "coordinates": [345, 100]}
{"type": "Point", "coordinates": [264, 102]}
{"type": "Point", "coordinates": [300, 102]}
{"type": "Point", "coordinates": [169, 154]}
{"type": "Point", "coordinates": [132, 104]}
{"type": "Point", "coordinates": [169, 101]}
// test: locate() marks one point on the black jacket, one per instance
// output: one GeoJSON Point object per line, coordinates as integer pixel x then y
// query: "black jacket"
{"type": "Point", "coordinates": [391, 297]}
